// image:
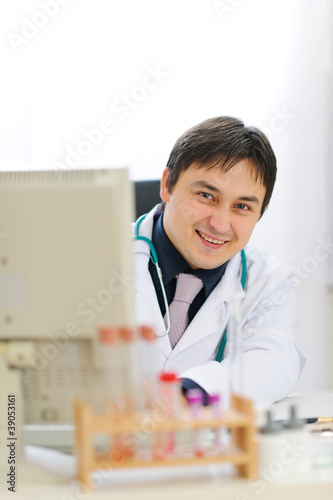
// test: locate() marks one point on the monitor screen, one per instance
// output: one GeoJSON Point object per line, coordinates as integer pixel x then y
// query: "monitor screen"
{"type": "Point", "coordinates": [66, 258]}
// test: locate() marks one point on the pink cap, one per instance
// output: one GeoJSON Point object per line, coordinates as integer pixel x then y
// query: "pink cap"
{"type": "Point", "coordinates": [194, 396]}
{"type": "Point", "coordinates": [147, 332]}
{"type": "Point", "coordinates": [214, 398]}
{"type": "Point", "coordinates": [126, 333]}
{"type": "Point", "coordinates": [107, 334]}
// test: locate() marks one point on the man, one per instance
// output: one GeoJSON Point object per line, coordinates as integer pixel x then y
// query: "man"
{"type": "Point", "coordinates": [217, 184]}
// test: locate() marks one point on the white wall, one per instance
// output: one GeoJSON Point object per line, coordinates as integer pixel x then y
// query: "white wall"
{"type": "Point", "coordinates": [70, 65]}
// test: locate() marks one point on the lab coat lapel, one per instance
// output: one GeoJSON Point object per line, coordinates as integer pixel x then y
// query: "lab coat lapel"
{"type": "Point", "coordinates": [148, 310]}
{"type": "Point", "coordinates": [147, 306]}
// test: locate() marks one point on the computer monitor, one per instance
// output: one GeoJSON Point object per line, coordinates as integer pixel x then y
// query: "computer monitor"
{"type": "Point", "coordinates": [65, 270]}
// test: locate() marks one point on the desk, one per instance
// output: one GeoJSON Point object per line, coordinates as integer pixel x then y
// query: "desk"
{"type": "Point", "coordinates": [37, 482]}
{"type": "Point", "coordinates": [50, 475]}
{"type": "Point", "coordinates": [319, 404]}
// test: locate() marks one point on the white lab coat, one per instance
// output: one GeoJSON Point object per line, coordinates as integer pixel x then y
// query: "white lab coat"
{"type": "Point", "coordinates": [272, 360]}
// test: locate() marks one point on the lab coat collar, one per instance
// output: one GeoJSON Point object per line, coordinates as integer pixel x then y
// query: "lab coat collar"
{"type": "Point", "coordinates": [146, 226]}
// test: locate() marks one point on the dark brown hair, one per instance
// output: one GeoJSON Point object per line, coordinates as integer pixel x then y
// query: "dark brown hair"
{"type": "Point", "coordinates": [223, 142]}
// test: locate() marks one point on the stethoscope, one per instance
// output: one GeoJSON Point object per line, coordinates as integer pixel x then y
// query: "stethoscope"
{"type": "Point", "coordinates": [154, 258]}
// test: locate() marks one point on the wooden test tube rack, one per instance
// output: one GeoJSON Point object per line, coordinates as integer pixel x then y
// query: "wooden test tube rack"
{"type": "Point", "coordinates": [239, 419]}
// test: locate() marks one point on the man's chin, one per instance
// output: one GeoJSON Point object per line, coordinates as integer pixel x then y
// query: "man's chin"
{"type": "Point", "coordinates": [208, 264]}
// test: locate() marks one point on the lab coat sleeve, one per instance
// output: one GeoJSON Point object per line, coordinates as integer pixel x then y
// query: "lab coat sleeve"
{"type": "Point", "coordinates": [272, 359]}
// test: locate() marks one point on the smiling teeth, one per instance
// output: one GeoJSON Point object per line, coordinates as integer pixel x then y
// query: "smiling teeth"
{"type": "Point", "coordinates": [217, 242]}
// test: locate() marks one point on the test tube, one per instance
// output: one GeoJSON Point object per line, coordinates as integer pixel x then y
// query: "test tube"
{"type": "Point", "coordinates": [130, 370]}
{"type": "Point", "coordinates": [195, 400]}
{"type": "Point", "coordinates": [165, 445]}
{"type": "Point", "coordinates": [147, 390]}
{"type": "Point", "coordinates": [149, 374]}
{"type": "Point", "coordinates": [113, 362]}
{"type": "Point", "coordinates": [214, 403]}
{"type": "Point", "coordinates": [112, 373]}
{"type": "Point", "coordinates": [216, 433]}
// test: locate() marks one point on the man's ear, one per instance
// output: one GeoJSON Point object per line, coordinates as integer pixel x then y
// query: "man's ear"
{"type": "Point", "coordinates": [164, 190]}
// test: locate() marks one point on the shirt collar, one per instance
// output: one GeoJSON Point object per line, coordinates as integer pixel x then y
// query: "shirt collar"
{"type": "Point", "coordinates": [172, 262]}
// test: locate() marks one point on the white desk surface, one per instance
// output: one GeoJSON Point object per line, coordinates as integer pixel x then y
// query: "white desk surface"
{"type": "Point", "coordinates": [50, 475]}
{"type": "Point", "coordinates": [319, 404]}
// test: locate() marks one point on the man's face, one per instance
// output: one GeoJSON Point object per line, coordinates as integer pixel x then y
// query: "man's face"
{"type": "Point", "coordinates": [210, 216]}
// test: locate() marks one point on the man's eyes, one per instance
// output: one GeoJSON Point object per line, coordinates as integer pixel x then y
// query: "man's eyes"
{"type": "Point", "coordinates": [206, 195]}
{"type": "Point", "coordinates": [242, 206]}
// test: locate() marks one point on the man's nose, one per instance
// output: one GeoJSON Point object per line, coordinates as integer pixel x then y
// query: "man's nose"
{"type": "Point", "coordinates": [220, 220]}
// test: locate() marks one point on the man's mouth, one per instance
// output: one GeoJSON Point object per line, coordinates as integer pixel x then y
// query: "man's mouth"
{"type": "Point", "coordinates": [211, 240]}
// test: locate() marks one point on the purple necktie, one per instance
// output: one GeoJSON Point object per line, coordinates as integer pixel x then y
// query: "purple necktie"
{"type": "Point", "coordinates": [187, 287]}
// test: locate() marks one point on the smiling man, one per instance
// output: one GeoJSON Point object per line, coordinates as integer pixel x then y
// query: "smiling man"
{"type": "Point", "coordinates": [217, 184]}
